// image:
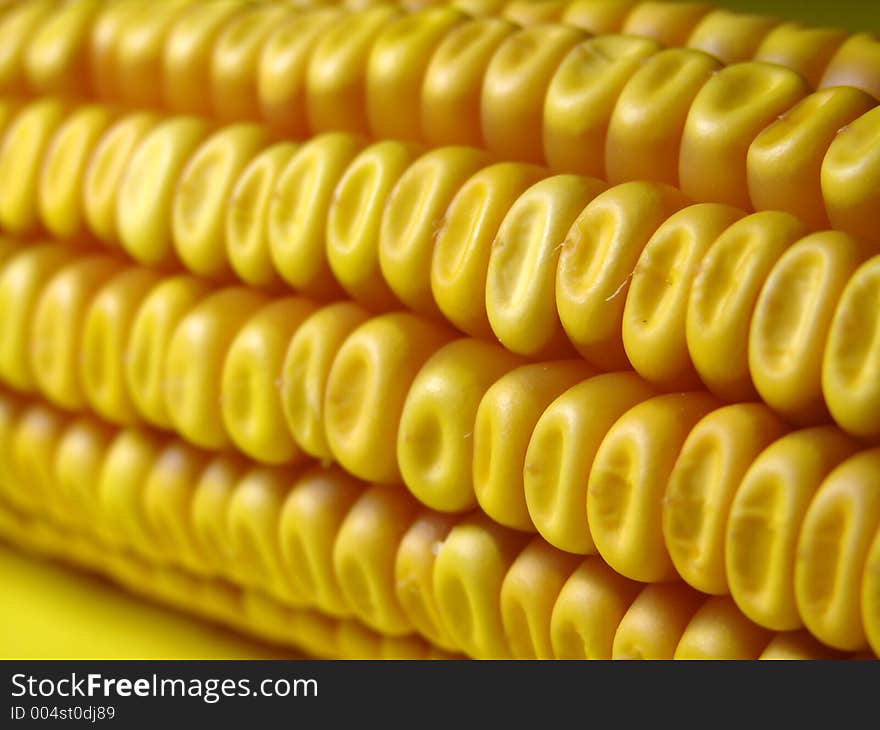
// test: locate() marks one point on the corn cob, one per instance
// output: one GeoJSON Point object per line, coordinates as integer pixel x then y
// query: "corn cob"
{"type": "Point", "coordinates": [283, 377]}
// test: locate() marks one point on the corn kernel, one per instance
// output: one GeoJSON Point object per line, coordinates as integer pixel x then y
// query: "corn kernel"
{"type": "Point", "coordinates": [712, 462]}
{"type": "Point", "coordinates": [505, 419]}
{"type": "Point", "coordinates": [436, 438]}
{"type": "Point", "coordinates": [629, 478]}
{"type": "Point", "coordinates": [765, 519]}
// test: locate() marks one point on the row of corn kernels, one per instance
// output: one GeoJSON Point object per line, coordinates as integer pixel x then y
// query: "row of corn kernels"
{"type": "Point", "coordinates": [318, 538]}
{"type": "Point", "coordinates": [605, 112]}
{"type": "Point", "coordinates": [243, 60]}
{"type": "Point", "coordinates": [245, 610]}
{"type": "Point", "coordinates": [486, 83]}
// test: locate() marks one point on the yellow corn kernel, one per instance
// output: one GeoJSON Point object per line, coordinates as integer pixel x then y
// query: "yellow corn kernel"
{"type": "Point", "coordinates": [647, 124]}
{"type": "Point", "coordinates": [40, 439]}
{"type": "Point", "coordinates": [414, 575]}
{"type": "Point", "coordinates": [804, 49]}
{"type": "Point", "coordinates": [250, 385]}
{"type": "Point", "coordinates": [668, 23]}
{"type": "Point", "coordinates": [597, 261]}
{"type": "Point", "coordinates": [581, 100]}
{"type": "Point", "coordinates": [145, 199]}
{"type": "Point", "coordinates": [106, 30]}
{"type": "Point", "coordinates": [710, 466]}
{"type": "Point", "coordinates": [105, 170]}
{"type": "Point", "coordinates": [797, 645]}
{"type": "Point", "coordinates": [629, 478]}
{"type": "Point", "coordinates": [521, 276]}
{"type": "Point", "coordinates": [464, 242]}
{"type": "Point", "coordinates": [212, 494]}
{"type": "Point", "coordinates": [436, 438]}
{"type": "Point", "coordinates": [306, 370]}
{"type": "Point", "coordinates": [723, 297]}
{"type": "Point", "coordinates": [297, 224]}
{"type": "Point", "coordinates": [505, 419]}
{"type": "Point", "coordinates": [168, 494]}
{"type": "Point", "coordinates": [653, 625]}
{"type": "Point", "coordinates": [235, 59]}
{"type": "Point", "coordinates": [832, 551]}
{"type": "Point", "coordinates": [202, 196]}
{"type": "Point", "coordinates": [33, 438]}
{"type": "Point", "coordinates": [366, 389]}
{"type": "Point", "coordinates": [850, 382]}
{"type": "Point", "coordinates": [561, 450]}
{"type": "Point", "coordinates": [140, 49]}
{"type": "Point", "coordinates": [856, 63]}
{"type": "Point", "coordinates": [653, 328]}
{"type": "Point", "coordinates": [514, 88]}
{"type": "Point", "coordinates": [18, 26]}
{"type": "Point", "coordinates": [728, 113]}
{"type": "Point", "coordinates": [22, 148]}
{"type": "Point", "coordinates": [23, 278]}
{"type": "Point", "coordinates": [57, 55]}
{"type": "Point", "coordinates": [414, 215]}
{"type": "Point", "coordinates": [450, 97]}
{"type": "Point", "coordinates": [76, 466]}
{"type": "Point", "coordinates": [150, 336]}
{"type": "Point", "coordinates": [588, 611]}
{"type": "Point", "coordinates": [252, 522]}
{"type": "Point", "coordinates": [597, 17]}
{"type": "Point", "coordinates": [104, 344]}
{"type": "Point", "coordinates": [871, 595]}
{"type": "Point", "coordinates": [719, 631]}
{"type": "Point", "coordinates": [247, 216]}
{"type": "Point", "coordinates": [186, 58]}
{"type": "Point", "coordinates": [765, 518]}
{"type": "Point", "coordinates": [63, 169]}
{"type": "Point", "coordinates": [127, 464]}
{"type": "Point", "coordinates": [468, 574]}
{"type": "Point", "coordinates": [785, 160]}
{"type": "Point", "coordinates": [851, 178]}
{"type": "Point", "coordinates": [282, 68]}
{"type": "Point", "coordinates": [791, 322]}
{"type": "Point", "coordinates": [364, 555]}
{"type": "Point", "coordinates": [313, 512]}
{"type": "Point", "coordinates": [57, 329]}
{"type": "Point", "coordinates": [194, 361]}
{"type": "Point", "coordinates": [528, 594]}
{"type": "Point", "coordinates": [336, 80]}
{"type": "Point", "coordinates": [396, 69]}
{"type": "Point", "coordinates": [731, 37]}
{"type": "Point", "coordinates": [355, 218]}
